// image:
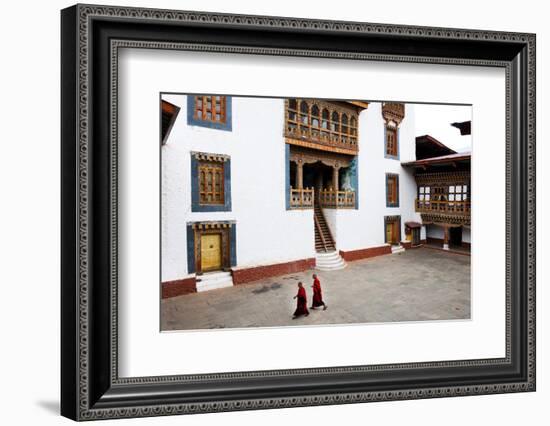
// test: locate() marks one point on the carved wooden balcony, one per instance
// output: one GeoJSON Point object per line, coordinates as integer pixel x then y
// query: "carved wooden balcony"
{"type": "Point", "coordinates": [337, 199]}
{"type": "Point", "coordinates": [301, 198]}
{"type": "Point", "coordinates": [317, 124]}
{"type": "Point", "coordinates": [455, 208]}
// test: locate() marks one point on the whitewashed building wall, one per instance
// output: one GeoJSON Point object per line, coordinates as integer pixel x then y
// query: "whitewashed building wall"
{"type": "Point", "coordinates": [267, 233]}
{"type": "Point", "coordinates": [364, 228]}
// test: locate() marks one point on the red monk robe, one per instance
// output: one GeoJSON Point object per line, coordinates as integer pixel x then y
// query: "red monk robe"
{"type": "Point", "coordinates": [301, 306]}
{"type": "Point", "coordinates": [317, 294]}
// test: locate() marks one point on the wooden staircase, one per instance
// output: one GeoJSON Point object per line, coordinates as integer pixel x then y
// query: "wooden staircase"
{"type": "Point", "coordinates": [323, 238]}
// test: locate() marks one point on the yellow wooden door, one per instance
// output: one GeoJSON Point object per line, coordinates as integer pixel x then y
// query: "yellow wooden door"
{"type": "Point", "coordinates": [389, 233]}
{"type": "Point", "coordinates": [211, 252]}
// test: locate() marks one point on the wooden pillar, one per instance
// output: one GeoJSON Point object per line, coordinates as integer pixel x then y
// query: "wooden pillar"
{"type": "Point", "coordinates": [445, 237]}
{"type": "Point", "coordinates": [299, 174]}
{"type": "Point", "coordinates": [335, 184]}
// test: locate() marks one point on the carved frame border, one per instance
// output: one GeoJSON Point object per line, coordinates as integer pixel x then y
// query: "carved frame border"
{"type": "Point", "coordinates": [81, 406]}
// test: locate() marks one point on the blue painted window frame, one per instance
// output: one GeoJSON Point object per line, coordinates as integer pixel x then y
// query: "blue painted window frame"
{"type": "Point", "coordinates": [192, 121]}
{"type": "Point", "coordinates": [195, 195]}
{"type": "Point", "coordinates": [388, 202]}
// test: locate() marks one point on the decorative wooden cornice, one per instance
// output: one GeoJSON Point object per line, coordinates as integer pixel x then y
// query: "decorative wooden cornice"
{"type": "Point", "coordinates": [462, 177]}
{"type": "Point", "coordinates": [320, 147]}
{"type": "Point", "coordinates": [359, 104]}
{"type": "Point", "coordinates": [391, 218]}
{"type": "Point", "coordinates": [327, 158]}
{"type": "Point", "coordinates": [393, 112]}
{"type": "Point", "coordinates": [342, 107]}
{"type": "Point", "coordinates": [212, 224]}
{"type": "Point", "coordinates": [204, 156]}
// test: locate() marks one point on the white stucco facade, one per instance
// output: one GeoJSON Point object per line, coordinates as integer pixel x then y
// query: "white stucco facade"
{"type": "Point", "coordinates": [364, 227]}
{"type": "Point", "coordinates": [266, 231]}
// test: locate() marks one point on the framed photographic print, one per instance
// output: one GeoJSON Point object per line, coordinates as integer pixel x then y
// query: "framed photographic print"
{"type": "Point", "coordinates": [263, 212]}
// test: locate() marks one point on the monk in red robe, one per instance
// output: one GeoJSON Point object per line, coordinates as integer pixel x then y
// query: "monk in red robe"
{"type": "Point", "coordinates": [301, 306]}
{"type": "Point", "coordinates": [317, 294]}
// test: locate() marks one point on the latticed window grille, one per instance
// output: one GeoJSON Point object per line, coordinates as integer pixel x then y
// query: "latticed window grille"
{"type": "Point", "coordinates": [211, 183]}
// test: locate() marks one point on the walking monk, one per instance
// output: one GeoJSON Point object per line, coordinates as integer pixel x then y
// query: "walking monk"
{"type": "Point", "coordinates": [301, 306]}
{"type": "Point", "coordinates": [317, 294]}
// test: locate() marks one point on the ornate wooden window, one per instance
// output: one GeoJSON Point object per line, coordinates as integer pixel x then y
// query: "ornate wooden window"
{"type": "Point", "coordinates": [444, 195]}
{"type": "Point", "coordinates": [393, 114]}
{"type": "Point", "coordinates": [345, 128]}
{"type": "Point", "coordinates": [304, 114]}
{"type": "Point", "coordinates": [458, 193]}
{"type": "Point", "coordinates": [439, 193]}
{"type": "Point", "coordinates": [335, 122]}
{"type": "Point", "coordinates": [322, 122]}
{"type": "Point", "coordinates": [211, 183]}
{"type": "Point", "coordinates": [392, 190]}
{"type": "Point", "coordinates": [210, 108]}
{"type": "Point", "coordinates": [210, 111]}
{"type": "Point", "coordinates": [391, 141]}
{"type": "Point", "coordinates": [353, 127]}
{"type": "Point", "coordinates": [424, 193]}
{"type": "Point", "coordinates": [325, 119]}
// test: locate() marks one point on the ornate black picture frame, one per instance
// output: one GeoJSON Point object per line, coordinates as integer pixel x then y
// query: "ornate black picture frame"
{"type": "Point", "coordinates": [91, 37]}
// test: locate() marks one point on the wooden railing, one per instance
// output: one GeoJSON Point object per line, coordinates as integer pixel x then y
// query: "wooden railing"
{"type": "Point", "coordinates": [337, 199]}
{"type": "Point", "coordinates": [321, 136]}
{"type": "Point", "coordinates": [445, 207]}
{"type": "Point", "coordinates": [301, 198]}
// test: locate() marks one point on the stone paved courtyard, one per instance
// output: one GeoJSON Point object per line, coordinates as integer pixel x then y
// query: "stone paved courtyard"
{"type": "Point", "coordinates": [416, 285]}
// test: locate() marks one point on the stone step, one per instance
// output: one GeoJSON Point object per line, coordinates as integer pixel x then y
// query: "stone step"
{"type": "Point", "coordinates": [397, 249]}
{"type": "Point", "coordinates": [334, 267]}
{"type": "Point", "coordinates": [328, 255]}
{"type": "Point", "coordinates": [329, 261]}
{"type": "Point", "coordinates": [214, 280]}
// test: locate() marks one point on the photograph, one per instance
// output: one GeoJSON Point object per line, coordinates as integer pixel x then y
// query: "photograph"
{"type": "Point", "coordinates": [269, 207]}
{"type": "Point", "coordinates": [279, 212]}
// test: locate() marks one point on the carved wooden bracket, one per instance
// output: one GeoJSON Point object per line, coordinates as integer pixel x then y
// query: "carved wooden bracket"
{"type": "Point", "coordinates": [393, 112]}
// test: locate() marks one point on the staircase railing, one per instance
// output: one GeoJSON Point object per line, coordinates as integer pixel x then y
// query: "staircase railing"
{"type": "Point", "coordinates": [319, 230]}
{"type": "Point", "coordinates": [318, 212]}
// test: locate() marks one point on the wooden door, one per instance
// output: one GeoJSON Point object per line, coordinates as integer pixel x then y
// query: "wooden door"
{"type": "Point", "coordinates": [211, 252]}
{"type": "Point", "coordinates": [389, 233]}
{"type": "Point", "coordinates": [416, 236]}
